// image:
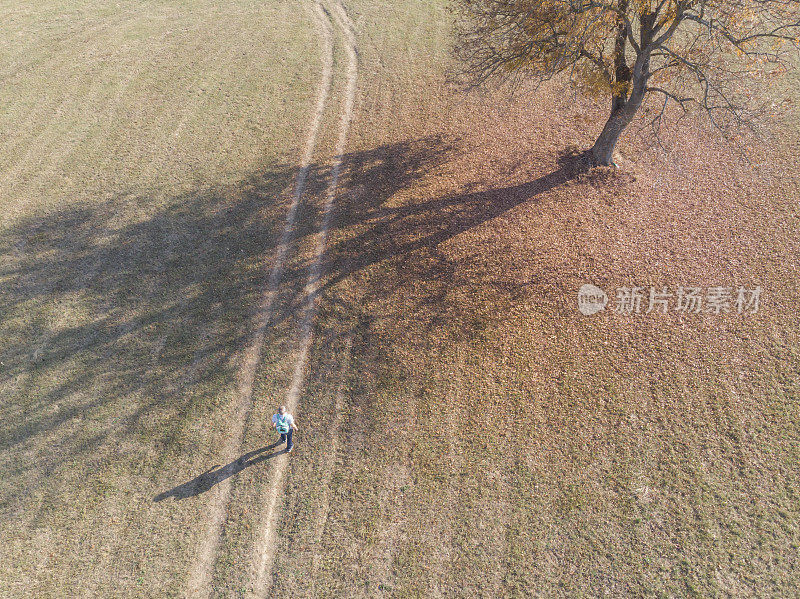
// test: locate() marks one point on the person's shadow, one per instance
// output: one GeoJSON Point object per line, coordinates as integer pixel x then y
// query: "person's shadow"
{"type": "Point", "coordinates": [217, 474]}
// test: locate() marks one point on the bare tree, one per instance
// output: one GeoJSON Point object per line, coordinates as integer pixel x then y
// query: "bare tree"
{"type": "Point", "coordinates": [690, 52]}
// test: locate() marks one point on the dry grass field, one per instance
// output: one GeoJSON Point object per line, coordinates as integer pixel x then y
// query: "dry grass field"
{"type": "Point", "coordinates": [464, 430]}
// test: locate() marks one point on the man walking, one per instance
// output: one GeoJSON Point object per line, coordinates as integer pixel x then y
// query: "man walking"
{"type": "Point", "coordinates": [283, 422]}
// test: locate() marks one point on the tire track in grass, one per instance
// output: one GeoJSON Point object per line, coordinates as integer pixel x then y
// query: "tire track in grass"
{"type": "Point", "coordinates": [88, 74]}
{"type": "Point", "coordinates": [34, 155]}
{"type": "Point", "coordinates": [199, 581]}
{"type": "Point", "coordinates": [330, 464]}
{"type": "Point", "coordinates": [54, 60]}
{"type": "Point", "coordinates": [455, 463]}
{"type": "Point", "coordinates": [95, 117]}
{"type": "Point", "coordinates": [155, 163]}
{"type": "Point", "coordinates": [97, 122]}
{"type": "Point", "coordinates": [172, 136]}
{"type": "Point", "coordinates": [265, 545]}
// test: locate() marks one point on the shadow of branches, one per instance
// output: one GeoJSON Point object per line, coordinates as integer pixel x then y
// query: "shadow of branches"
{"type": "Point", "coordinates": [127, 315]}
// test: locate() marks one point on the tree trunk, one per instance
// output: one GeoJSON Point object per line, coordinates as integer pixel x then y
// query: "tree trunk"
{"type": "Point", "coordinates": [603, 149]}
{"type": "Point", "coordinates": [623, 109]}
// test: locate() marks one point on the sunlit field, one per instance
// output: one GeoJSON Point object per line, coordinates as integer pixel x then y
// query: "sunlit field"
{"type": "Point", "coordinates": [464, 430]}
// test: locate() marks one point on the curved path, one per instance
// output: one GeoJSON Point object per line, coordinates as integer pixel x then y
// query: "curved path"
{"type": "Point", "coordinates": [200, 576]}
{"type": "Point", "coordinates": [265, 545]}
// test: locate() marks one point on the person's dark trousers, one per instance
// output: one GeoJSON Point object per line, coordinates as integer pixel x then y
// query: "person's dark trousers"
{"type": "Point", "coordinates": [288, 438]}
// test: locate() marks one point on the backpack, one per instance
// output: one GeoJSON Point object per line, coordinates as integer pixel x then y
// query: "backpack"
{"type": "Point", "coordinates": [281, 425]}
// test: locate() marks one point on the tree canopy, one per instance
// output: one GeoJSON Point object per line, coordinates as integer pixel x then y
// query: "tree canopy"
{"type": "Point", "coordinates": [689, 52]}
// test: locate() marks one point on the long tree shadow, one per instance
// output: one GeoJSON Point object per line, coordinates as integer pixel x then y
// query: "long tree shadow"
{"type": "Point", "coordinates": [408, 235]}
{"type": "Point", "coordinates": [134, 311]}
{"type": "Point", "coordinates": [142, 311]}
{"type": "Point", "coordinates": [125, 318]}
{"type": "Point", "coordinates": [402, 230]}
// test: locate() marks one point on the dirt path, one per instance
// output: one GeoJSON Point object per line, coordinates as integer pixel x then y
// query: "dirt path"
{"type": "Point", "coordinates": [265, 546]}
{"type": "Point", "coordinates": [199, 582]}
